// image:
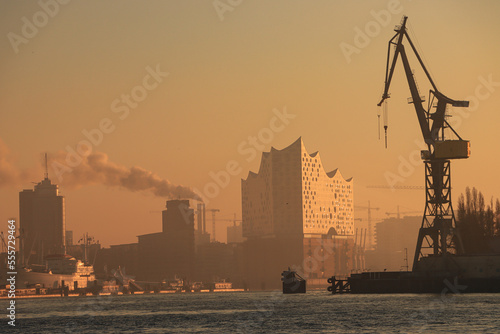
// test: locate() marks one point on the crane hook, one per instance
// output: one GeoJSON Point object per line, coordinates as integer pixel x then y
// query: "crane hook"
{"type": "Point", "coordinates": [385, 128]}
{"type": "Point", "coordinates": [386, 119]}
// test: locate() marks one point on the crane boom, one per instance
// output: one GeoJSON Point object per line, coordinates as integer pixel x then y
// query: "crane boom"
{"type": "Point", "coordinates": [433, 134]}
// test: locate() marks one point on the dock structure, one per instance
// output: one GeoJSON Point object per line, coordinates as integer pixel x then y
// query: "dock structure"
{"type": "Point", "coordinates": [339, 285]}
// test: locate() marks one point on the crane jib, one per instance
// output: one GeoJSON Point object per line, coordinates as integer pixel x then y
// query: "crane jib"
{"type": "Point", "coordinates": [432, 123]}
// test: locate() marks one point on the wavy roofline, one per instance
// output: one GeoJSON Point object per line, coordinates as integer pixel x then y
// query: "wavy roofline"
{"type": "Point", "coordinates": [299, 141]}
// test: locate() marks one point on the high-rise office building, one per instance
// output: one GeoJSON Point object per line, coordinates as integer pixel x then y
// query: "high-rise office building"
{"type": "Point", "coordinates": [42, 224]}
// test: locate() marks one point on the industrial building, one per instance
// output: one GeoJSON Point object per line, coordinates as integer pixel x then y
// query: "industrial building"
{"type": "Point", "coordinates": [235, 234]}
{"type": "Point", "coordinates": [170, 253]}
{"type": "Point", "coordinates": [296, 215]}
{"type": "Point", "coordinates": [123, 256]}
{"type": "Point", "coordinates": [395, 243]}
{"type": "Point", "coordinates": [178, 251]}
{"type": "Point", "coordinates": [216, 261]}
{"type": "Point", "coordinates": [42, 223]}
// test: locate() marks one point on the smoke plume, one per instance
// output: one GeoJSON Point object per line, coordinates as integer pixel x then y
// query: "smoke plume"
{"type": "Point", "coordinates": [97, 169]}
{"type": "Point", "coordinates": [10, 175]}
{"type": "Point", "coordinates": [92, 169]}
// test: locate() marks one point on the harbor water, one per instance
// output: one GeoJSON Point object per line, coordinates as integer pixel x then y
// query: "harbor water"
{"type": "Point", "coordinates": [258, 312]}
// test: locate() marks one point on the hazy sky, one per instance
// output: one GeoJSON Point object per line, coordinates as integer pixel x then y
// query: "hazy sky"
{"type": "Point", "coordinates": [178, 87]}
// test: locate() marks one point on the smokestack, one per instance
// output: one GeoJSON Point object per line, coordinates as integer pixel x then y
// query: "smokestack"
{"type": "Point", "coordinates": [199, 218]}
{"type": "Point", "coordinates": [204, 220]}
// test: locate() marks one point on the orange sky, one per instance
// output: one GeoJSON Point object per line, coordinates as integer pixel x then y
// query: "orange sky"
{"type": "Point", "coordinates": [228, 69]}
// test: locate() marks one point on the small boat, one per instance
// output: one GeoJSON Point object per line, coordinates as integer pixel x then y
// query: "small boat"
{"type": "Point", "coordinates": [293, 282]}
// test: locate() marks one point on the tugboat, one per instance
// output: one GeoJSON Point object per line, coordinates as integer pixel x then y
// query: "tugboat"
{"type": "Point", "coordinates": [293, 282]}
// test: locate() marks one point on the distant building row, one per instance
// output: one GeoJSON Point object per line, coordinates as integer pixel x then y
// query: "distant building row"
{"type": "Point", "coordinates": [294, 214]}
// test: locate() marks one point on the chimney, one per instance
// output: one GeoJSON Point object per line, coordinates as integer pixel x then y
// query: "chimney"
{"type": "Point", "coordinates": [204, 220]}
{"type": "Point", "coordinates": [199, 218]}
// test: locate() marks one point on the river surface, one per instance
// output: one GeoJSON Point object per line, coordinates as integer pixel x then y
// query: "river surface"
{"type": "Point", "coordinates": [258, 312]}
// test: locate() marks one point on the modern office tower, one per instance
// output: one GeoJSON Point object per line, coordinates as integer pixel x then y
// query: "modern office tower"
{"type": "Point", "coordinates": [42, 224]}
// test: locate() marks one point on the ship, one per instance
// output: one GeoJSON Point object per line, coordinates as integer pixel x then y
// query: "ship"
{"type": "Point", "coordinates": [59, 270]}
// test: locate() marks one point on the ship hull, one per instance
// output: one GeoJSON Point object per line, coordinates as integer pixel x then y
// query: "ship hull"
{"type": "Point", "coordinates": [401, 282]}
{"type": "Point", "coordinates": [28, 279]}
{"type": "Point", "coordinates": [294, 287]}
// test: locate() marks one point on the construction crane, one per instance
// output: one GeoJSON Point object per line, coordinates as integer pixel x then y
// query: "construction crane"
{"type": "Point", "coordinates": [370, 229]}
{"type": "Point", "coordinates": [398, 213]}
{"type": "Point", "coordinates": [212, 238]}
{"type": "Point", "coordinates": [230, 220]}
{"type": "Point", "coordinates": [438, 223]}
{"type": "Point", "coordinates": [398, 187]}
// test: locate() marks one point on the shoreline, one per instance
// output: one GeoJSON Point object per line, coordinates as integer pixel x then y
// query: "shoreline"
{"type": "Point", "coordinates": [55, 295]}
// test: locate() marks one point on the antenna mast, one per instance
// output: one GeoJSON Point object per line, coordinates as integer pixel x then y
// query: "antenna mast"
{"type": "Point", "coordinates": [46, 168]}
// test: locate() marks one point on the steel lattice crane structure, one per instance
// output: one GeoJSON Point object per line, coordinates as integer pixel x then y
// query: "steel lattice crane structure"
{"type": "Point", "coordinates": [437, 234]}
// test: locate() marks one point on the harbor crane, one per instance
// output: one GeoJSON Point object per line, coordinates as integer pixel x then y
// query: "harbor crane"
{"type": "Point", "coordinates": [438, 234]}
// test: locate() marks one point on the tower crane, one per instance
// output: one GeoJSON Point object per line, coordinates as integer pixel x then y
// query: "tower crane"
{"type": "Point", "coordinates": [397, 187]}
{"type": "Point", "coordinates": [369, 208]}
{"type": "Point", "coordinates": [398, 213]}
{"type": "Point", "coordinates": [213, 223]}
{"type": "Point", "coordinates": [230, 220]}
{"type": "Point", "coordinates": [438, 223]}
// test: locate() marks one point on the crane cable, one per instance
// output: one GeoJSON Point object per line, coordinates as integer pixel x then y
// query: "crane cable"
{"type": "Point", "coordinates": [420, 50]}
{"type": "Point", "coordinates": [429, 69]}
